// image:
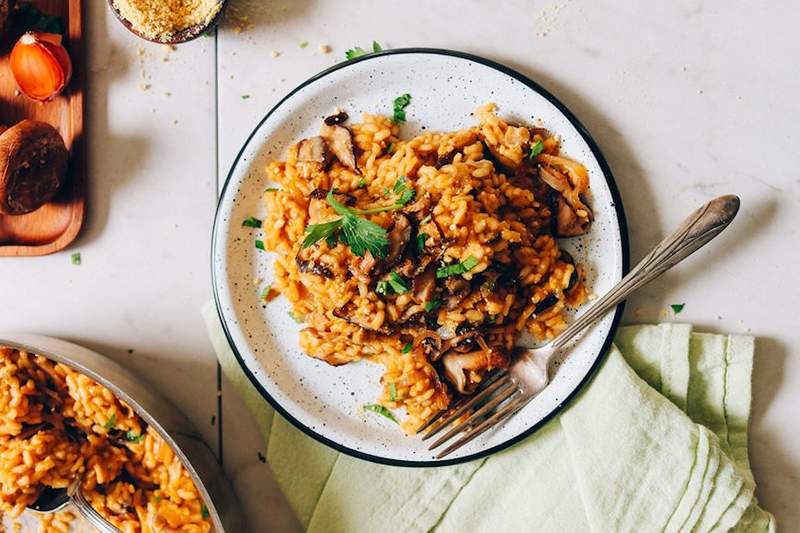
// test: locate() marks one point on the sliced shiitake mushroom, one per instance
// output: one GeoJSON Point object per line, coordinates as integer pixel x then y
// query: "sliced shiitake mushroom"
{"type": "Point", "coordinates": [33, 163]}
{"type": "Point", "coordinates": [340, 142]}
{"type": "Point", "coordinates": [314, 150]}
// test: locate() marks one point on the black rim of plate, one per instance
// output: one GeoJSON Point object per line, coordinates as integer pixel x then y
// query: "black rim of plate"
{"type": "Point", "coordinates": [623, 228]}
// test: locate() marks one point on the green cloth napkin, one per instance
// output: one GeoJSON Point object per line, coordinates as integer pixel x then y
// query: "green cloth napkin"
{"type": "Point", "coordinates": [656, 442]}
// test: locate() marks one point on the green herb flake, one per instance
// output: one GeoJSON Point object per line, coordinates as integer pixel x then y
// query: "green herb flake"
{"type": "Point", "coordinates": [265, 292]}
{"type": "Point", "coordinates": [382, 288]}
{"type": "Point", "coordinates": [421, 238]}
{"type": "Point", "coordinates": [130, 436]}
{"type": "Point", "coordinates": [400, 103]}
{"type": "Point", "coordinates": [158, 498]}
{"type": "Point", "coordinates": [245, 97]}
{"type": "Point", "coordinates": [111, 423]}
{"type": "Point", "coordinates": [407, 347]}
{"type": "Point", "coordinates": [392, 392]}
{"type": "Point", "coordinates": [297, 318]}
{"type": "Point", "coordinates": [536, 149]}
{"type": "Point", "coordinates": [271, 189]}
{"type": "Point", "coordinates": [381, 410]}
{"type": "Point", "coordinates": [390, 148]}
{"type": "Point", "coordinates": [251, 222]}
{"type": "Point", "coordinates": [260, 244]}
{"type": "Point", "coordinates": [459, 268]}
{"type": "Point", "coordinates": [432, 305]}
{"type": "Point", "coordinates": [398, 284]}
{"type": "Point", "coordinates": [677, 308]}
{"type": "Point", "coordinates": [361, 183]}
{"type": "Point", "coordinates": [76, 259]}
{"type": "Point", "coordinates": [204, 512]}
{"type": "Point", "coordinates": [303, 44]}
{"type": "Point", "coordinates": [261, 457]}
{"type": "Point", "coordinates": [355, 52]}
{"type": "Point", "coordinates": [491, 319]}
{"type": "Point", "coordinates": [405, 192]}
{"type": "Point", "coordinates": [376, 47]}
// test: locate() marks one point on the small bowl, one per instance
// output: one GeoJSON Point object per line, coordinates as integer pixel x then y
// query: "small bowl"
{"type": "Point", "coordinates": [183, 36]}
{"type": "Point", "coordinates": [159, 414]}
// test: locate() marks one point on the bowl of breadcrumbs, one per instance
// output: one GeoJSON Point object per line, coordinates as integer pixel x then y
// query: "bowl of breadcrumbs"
{"type": "Point", "coordinates": [168, 21]}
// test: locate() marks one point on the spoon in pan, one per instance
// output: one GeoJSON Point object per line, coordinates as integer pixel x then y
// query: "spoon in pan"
{"type": "Point", "coordinates": [182, 36]}
{"type": "Point", "coordinates": [53, 500]}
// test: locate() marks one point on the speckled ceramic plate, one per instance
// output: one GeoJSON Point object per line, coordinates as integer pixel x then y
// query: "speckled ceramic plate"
{"type": "Point", "coordinates": [326, 402]}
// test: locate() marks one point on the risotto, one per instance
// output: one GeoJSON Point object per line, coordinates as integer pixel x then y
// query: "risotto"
{"type": "Point", "coordinates": [429, 256]}
{"type": "Point", "coordinates": [57, 425]}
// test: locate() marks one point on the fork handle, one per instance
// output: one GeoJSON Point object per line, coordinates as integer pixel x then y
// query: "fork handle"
{"type": "Point", "coordinates": [697, 230]}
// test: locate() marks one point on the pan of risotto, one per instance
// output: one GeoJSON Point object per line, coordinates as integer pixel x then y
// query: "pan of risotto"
{"type": "Point", "coordinates": [393, 229]}
{"type": "Point", "coordinates": [72, 418]}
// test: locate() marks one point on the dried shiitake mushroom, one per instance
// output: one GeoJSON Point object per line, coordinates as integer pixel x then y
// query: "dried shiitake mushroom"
{"type": "Point", "coordinates": [33, 163]}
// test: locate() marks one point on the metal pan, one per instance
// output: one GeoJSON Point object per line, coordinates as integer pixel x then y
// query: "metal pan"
{"type": "Point", "coordinates": [159, 414]}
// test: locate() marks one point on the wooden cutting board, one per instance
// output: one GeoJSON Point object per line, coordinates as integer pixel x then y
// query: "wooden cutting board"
{"type": "Point", "coordinates": [56, 224]}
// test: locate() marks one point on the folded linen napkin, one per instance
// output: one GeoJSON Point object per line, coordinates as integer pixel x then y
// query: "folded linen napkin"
{"type": "Point", "coordinates": [656, 442]}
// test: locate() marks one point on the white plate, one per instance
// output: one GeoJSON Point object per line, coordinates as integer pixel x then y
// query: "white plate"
{"type": "Point", "coordinates": [324, 401]}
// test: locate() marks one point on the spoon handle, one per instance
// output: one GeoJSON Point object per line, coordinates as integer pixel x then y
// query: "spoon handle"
{"type": "Point", "coordinates": [88, 512]}
{"type": "Point", "coordinates": [697, 230]}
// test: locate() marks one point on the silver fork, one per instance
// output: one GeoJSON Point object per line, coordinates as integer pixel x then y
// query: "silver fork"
{"type": "Point", "coordinates": [507, 391]}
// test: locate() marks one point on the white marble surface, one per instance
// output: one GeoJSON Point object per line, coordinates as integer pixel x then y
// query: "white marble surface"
{"type": "Point", "coordinates": [687, 100]}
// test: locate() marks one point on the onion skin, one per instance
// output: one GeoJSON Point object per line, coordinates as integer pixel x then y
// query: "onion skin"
{"type": "Point", "coordinates": [41, 65]}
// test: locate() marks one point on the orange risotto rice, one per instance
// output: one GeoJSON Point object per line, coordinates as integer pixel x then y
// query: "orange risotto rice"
{"type": "Point", "coordinates": [428, 255]}
{"type": "Point", "coordinates": [57, 425]}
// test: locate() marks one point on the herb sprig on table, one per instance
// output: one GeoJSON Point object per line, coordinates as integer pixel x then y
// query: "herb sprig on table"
{"type": "Point", "coordinates": [357, 51]}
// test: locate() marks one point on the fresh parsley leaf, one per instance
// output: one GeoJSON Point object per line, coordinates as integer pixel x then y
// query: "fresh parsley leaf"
{"type": "Point", "coordinates": [405, 192]}
{"type": "Point", "coordinates": [382, 288]}
{"type": "Point", "coordinates": [398, 284]}
{"type": "Point", "coordinates": [204, 512]}
{"type": "Point", "coordinates": [432, 305]}
{"type": "Point", "coordinates": [111, 423]}
{"type": "Point", "coordinates": [317, 232]}
{"type": "Point", "coordinates": [677, 308]}
{"type": "Point", "coordinates": [399, 185]}
{"type": "Point", "coordinates": [536, 149]}
{"type": "Point", "coordinates": [260, 244]}
{"type": "Point", "coordinates": [376, 47]}
{"type": "Point", "coordinates": [303, 44]}
{"type": "Point", "coordinates": [363, 235]}
{"type": "Point", "coordinates": [381, 410]}
{"type": "Point", "coordinates": [130, 436]}
{"type": "Point", "coordinates": [261, 457]}
{"type": "Point", "coordinates": [407, 347]}
{"type": "Point", "coordinates": [251, 222]}
{"type": "Point", "coordinates": [392, 392]}
{"type": "Point", "coordinates": [355, 52]}
{"type": "Point", "coordinates": [76, 257]}
{"type": "Point", "coordinates": [297, 318]}
{"type": "Point", "coordinates": [421, 238]}
{"type": "Point", "coordinates": [459, 268]}
{"type": "Point", "coordinates": [400, 104]}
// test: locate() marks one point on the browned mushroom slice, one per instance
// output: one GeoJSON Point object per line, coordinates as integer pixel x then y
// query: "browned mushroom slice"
{"type": "Point", "coordinates": [340, 141]}
{"type": "Point", "coordinates": [431, 344]}
{"type": "Point", "coordinates": [463, 342]}
{"type": "Point", "coordinates": [33, 162]}
{"type": "Point", "coordinates": [457, 288]}
{"type": "Point", "coordinates": [339, 118]}
{"type": "Point", "coordinates": [574, 278]}
{"type": "Point", "coordinates": [424, 284]}
{"type": "Point", "coordinates": [308, 265]}
{"type": "Point", "coordinates": [399, 235]}
{"type": "Point", "coordinates": [363, 268]}
{"type": "Point", "coordinates": [569, 221]}
{"type": "Point", "coordinates": [319, 210]}
{"type": "Point", "coordinates": [458, 366]}
{"type": "Point", "coordinates": [313, 150]}
{"type": "Point", "coordinates": [348, 314]}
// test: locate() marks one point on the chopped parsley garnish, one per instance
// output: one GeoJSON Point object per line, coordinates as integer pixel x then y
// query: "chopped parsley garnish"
{"type": "Point", "coordinates": [382, 288]}
{"type": "Point", "coordinates": [407, 347]}
{"type": "Point", "coordinates": [245, 96]}
{"type": "Point", "coordinates": [360, 234]}
{"type": "Point", "coordinates": [111, 423]}
{"type": "Point", "coordinates": [362, 183]}
{"type": "Point", "coordinates": [400, 104]}
{"type": "Point", "coordinates": [251, 222]}
{"type": "Point", "coordinates": [297, 318]}
{"type": "Point", "coordinates": [459, 268]}
{"type": "Point", "coordinates": [536, 149]}
{"type": "Point", "coordinates": [271, 189]}
{"type": "Point", "coordinates": [357, 51]}
{"type": "Point", "coordinates": [130, 436]}
{"type": "Point", "coordinates": [261, 457]}
{"type": "Point", "coordinates": [265, 292]}
{"type": "Point", "coordinates": [303, 44]}
{"type": "Point", "coordinates": [491, 319]}
{"type": "Point", "coordinates": [432, 305]}
{"type": "Point", "coordinates": [390, 148]}
{"type": "Point", "coordinates": [421, 238]}
{"type": "Point", "coordinates": [404, 191]}
{"type": "Point", "coordinates": [260, 244]}
{"type": "Point", "coordinates": [204, 512]}
{"type": "Point", "coordinates": [381, 410]}
{"type": "Point", "coordinates": [677, 308]}
{"type": "Point", "coordinates": [398, 284]}
{"type": "Point", "coordinates": [392, 392]}
{"type": "Point", "coordinates": [76, 258]}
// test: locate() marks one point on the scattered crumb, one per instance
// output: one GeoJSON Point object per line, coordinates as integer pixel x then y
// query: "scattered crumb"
{"type": "Point", "coordinates": [167, 93]}
{"type": "Point", "coordinates": [154, 110]}
{"type": "Point", "coordinates": [144, 87]}
{"type": "Point", "coordinates": [719, 317]}
{"type": "Point", "coordinates": [699, 91]}
{"type": "Point", "coordinates": [275, 54]}
{"type": "Point", "coordinates": [238, 18]}
{"type": "Point", "coordinates": [683, 68]}
{"type": "Point", "coordinates": [257, 281]}
{"type": "Point", "coordinates": [324, 49]}
{"type": "Point", "coordinates": [175, 122]}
